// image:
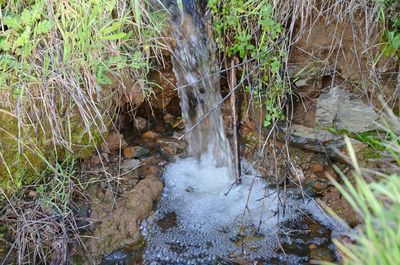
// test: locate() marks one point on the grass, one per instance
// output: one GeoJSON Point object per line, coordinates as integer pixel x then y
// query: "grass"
{"type": "Point", "coordinates": [62, 71]}
{"type": "Point", "coordinates": [377, 239]}
{"type": "Point", "coordinates": [43, 224]}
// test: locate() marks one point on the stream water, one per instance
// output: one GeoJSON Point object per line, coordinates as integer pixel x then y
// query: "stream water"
{"type": "Point", "coordinates": [203, 217]}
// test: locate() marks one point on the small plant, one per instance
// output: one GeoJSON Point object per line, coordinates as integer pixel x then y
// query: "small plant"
{"type": "Point", "coordinates": [249, 30]}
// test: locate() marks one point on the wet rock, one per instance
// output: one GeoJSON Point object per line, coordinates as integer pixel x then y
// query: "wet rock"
{"type": "Point", "coordinates": [118, 257]}
{"type": "Point", "coordinates": [150, 135]}
{"type": "Point", "coordinates": [342, 110]}
{"type": "Point", "coordinates": [117, 227]}
{"type": "Point", "coordinates": [139, 123]}
{"type": "Point", "coordinates": [171, 146]}
{"type": "Point", "coordinates": [115, 141]}
{"type": "Point", "coordinates": [135, 151]}
{"type": "Point", "coordinates": [316, 185]}
{"type": "Point", "coordinates": [129, 164]}
{"type": "Point", "coordinates": [297, 173]}
{"type": "Point", "coordinates": [321, 141]}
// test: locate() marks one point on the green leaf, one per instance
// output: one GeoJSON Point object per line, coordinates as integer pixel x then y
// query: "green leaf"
{"type": "Point", "coordinates": [23, 39]}
{"type": "Point", "coordinates": [107, 30]}
{"type": "Point", "coordinates": [396, 41]}
{"type": "Point", "coordinates": [43, 27]}
{"type": "Point", "coordinates": [4, 45]}
{"type": "Point", "coordinates": [12, 21]}
{"type": "Point", "coordinates": [116, 36]}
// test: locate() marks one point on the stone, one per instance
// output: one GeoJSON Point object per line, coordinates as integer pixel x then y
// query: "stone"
{"type": "Point", "coordinates": [342, 110]}
{"type": "Point", "coordinates": [133, 95]}
{"type": "Point", "coordinates": [135, 151]}
{"type": "Point", "coordinates": [115, 141]}
{"type": "Point", "coordinates": [129, 164]}
{"type": "Point", "coordinates": [171, 146]}
{"type": "Point", "coordinates": [316, 167]}
{"type": "Point", "coordinates": [168, 118]}
{"type": "Point", "coordinates": [139, 123]}
{"type": "Point", "coordinates": [117, 221]}
{"type": "Point", "coordinates": [321, 141]}
{"type": "Point", "coordinates": [150, 135]}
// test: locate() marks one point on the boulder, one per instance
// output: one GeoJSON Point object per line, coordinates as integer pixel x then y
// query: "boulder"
{"type": "Point", "coordinates": [321, 141]}
{"type": "Point", "coordinates": [340, 110]}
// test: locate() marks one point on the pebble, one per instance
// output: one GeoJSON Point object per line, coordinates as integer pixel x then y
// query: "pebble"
{"type": "Point", "coordinates": [150, 134]}
{"type": "Point", "coordinates": [135, 151]}
{"type": "Point", "coordinates": [140, 123]}
{"type": "Point", "coordinates": [129, 164]}
{"type": "Point", "coordinates": [115, 140]}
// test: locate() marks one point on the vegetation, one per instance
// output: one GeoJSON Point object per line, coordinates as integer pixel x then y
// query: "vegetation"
{"type": "Point", "coordinates": [63, 70]}
{"type": "Point", "coordinates": [63, 67]}
{"type": "Point", "coordinates": [250, 31]}
{"type": "Point", "coordinates": [377, 239]}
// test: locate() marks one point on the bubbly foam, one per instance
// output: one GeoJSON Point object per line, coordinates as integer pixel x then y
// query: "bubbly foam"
{"type": "Point", "coordinates": [213, 218]}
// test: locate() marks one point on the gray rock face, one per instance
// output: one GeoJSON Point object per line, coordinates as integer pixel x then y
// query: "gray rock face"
{"type": "Point", "coordinates": [342, 110]}
{"type": "Point", "coordinates": [321, 141]}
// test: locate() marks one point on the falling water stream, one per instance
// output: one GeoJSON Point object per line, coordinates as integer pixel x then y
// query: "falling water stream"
{"type": "Point", "coordinates": [203, 217]}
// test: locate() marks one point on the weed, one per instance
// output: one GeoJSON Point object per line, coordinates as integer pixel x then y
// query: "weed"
{"type": "Point", "coordinates": [249, 30]}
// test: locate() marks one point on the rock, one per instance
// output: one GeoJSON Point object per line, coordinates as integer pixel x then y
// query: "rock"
{"type": "Point", "coordinates": [115, 141]}
{"type": "Point", "coordinates": [316, 167]}
{"type": "Point", "coordinates": [133, 95]}
{"type": "Point", "coordinates": [135, 151]}
{"type": "Point", "coordinates": [117, 257]}
{"type": "Point", "coordinates": [150, 135]}
{"type": "Point", "coordinates": [117, 220]}
{"type": "Point", "coordinates": [139, 123]}
{"type": "Point", "coordinates": [342, 110]}
{"type": "Point", "coordinates": [171, 146]}
{"type": "Point", "coordinates": [297, 173]}
{"type": "Point", "coordinates": [130, 164]}
{"type": "Point", "coordinates": [168, 118]}
{"type": "Point", "coordinates": [321, 141]}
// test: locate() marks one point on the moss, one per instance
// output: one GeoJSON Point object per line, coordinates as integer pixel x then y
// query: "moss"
{"type": "Point", "coordinates": [23, 161]}
{"type": "Point", "coordinates": [370, 138]}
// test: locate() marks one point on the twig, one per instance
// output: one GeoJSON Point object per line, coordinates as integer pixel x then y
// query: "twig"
{"type": "Point", "coordinates": [235, 124]}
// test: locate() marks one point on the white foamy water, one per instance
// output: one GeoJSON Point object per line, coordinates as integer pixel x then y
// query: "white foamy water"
{"type": "Point", "coordinates": [211, 216]}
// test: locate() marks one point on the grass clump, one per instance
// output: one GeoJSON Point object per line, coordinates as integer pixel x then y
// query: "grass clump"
{"type": "Point", "coordinates": [63, 67]}
{"type": "Point", "coordinates": [377, 202]}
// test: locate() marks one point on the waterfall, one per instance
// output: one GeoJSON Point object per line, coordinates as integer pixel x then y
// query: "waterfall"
{"type": "Point", "coordinates": [197, 75]}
